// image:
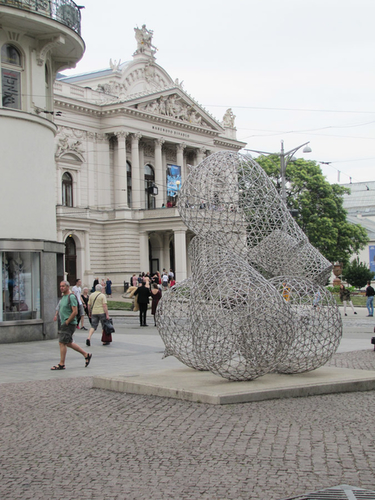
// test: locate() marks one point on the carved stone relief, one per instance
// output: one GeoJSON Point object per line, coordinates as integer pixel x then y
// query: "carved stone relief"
{"type": "Point", "coordinates": [170, 154]}
{"type": "Point", "coordinates": [149, 150]}
{"type": "Point", "coordinates": [67, 141]}
{"type": "Point", "coordinates": [173, 106]}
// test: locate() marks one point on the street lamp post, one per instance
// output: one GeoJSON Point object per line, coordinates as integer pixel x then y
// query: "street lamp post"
{"type": "Point", "coordinates": [285, 158]}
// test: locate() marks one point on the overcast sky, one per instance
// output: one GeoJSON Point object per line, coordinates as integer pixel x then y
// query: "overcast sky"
{"type": "Point", "coordinates": [292, 70]}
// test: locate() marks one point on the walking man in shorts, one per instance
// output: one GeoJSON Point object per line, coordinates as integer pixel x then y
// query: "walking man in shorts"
{"type": "Point", "coordinates": [68, 308]}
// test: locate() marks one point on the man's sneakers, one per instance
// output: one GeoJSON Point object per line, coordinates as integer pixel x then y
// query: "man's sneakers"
{"type": "Point", "coordinates": [83, 328]}
{"type": "Point", "coordinates": [88, 343]}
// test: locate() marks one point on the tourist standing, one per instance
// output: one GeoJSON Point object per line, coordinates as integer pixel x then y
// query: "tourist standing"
{"type": "Point", "coordinates": [143, 294]}
{"type": "Point", "coordinates": [345, 297]}
{"type": "Point", "coordinates": [108, 287]}
{"type": "Point", "coordinates": [155, 296]}
{"type": "Point", "coordinates": [81, 311]}
{"type": "Point", "coordinates": [370, 292]}
{"type": "Point", "coordinates": [85, 302]}
{"type": "Point", "coordinates": [164, 281]}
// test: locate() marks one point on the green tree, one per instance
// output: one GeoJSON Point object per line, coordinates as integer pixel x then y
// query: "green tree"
{"type": "Point", "coordinates": [319, 206]}
{"type": "Point", "coordinates": [357, 273]}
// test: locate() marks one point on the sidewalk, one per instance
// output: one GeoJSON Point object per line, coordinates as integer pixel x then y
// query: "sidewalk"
{"type": "Point", "coordinates": [134, 350]}
{"type": "Point", "coordinates": [61, 439]}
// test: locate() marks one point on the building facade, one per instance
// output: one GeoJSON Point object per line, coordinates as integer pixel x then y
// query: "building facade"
{"type": "Point", "coordinates": [127, 136]}
{"type": "Point", "coordinates": [37, 39]}
{"type": "Point", "coordinates": [360, 205]}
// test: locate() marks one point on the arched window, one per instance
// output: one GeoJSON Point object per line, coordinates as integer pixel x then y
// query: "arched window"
{"type": "Point", "coordinates": [71, 259]}
{"type": "Point", "coordinates": [67, 190]}
{"type": "Point", "coordinates": [129, 183]}
{"type": "Point", "coordinates": [149, 182]}
{"type": "Point", "coordinates": [11, 65]}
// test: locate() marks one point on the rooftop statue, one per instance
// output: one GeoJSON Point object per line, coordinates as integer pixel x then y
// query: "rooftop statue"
{"type": "Point", "coordinates": [144, 40]}
{"type": "Point", "coordinates": [228, 118]}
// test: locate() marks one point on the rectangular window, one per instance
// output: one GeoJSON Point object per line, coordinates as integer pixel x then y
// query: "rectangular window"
{"type": "Point", "coordinates": [11, 88]}
{"type": "Point", "coordinates": [20, 286]}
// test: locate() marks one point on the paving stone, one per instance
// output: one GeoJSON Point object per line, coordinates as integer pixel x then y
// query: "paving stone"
{"type": "Point", "coordinates": [62, 439]}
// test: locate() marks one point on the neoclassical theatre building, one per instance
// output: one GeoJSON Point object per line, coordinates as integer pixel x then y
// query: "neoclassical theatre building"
{"type": "Point", "coordinates": [126, 138]}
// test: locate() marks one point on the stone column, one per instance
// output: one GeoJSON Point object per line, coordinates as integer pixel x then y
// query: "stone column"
{"type": "Point", "coordinates": [103, 172]}
{"type": "Point", "coordinates": [142, 174]}
{"type": "Point", "coordinates": [180, 254]}
{"type": "Point", "coordinates": [92, 168]}
{"type": "Point", "coordinates": [143, 251]}
{"type": "Point", "coordinates": [120, 173]}
{"type": "Point", "coordinates": [59, 173]}
{"type": "Point", "coordinates": [159, 173]}
{"type": "Point", "coordinates": [86, 270]}
{"type": "Point", "coordinates": [136, 172]}
{"type": "Point", "coordinates": [165, 263]}
{"type": "Point", "coordinates": [180, 159]}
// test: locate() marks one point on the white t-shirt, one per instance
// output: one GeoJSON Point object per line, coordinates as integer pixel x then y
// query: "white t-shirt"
{"type": "Point", "coordinates": [77, 292]}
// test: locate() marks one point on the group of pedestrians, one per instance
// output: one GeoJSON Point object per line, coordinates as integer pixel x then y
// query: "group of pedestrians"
{"type": "Point", "coordinates": [164, 279]}
{"type": "Point", "coordinates": [345, 297]}
{"type": "Point", "coordinates": [146, 286]}
{"type": "Point", "coordinates": [106, 285]}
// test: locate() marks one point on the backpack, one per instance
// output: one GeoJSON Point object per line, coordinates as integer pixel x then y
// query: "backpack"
{"type": "Point", "coordinates": [71, 307]}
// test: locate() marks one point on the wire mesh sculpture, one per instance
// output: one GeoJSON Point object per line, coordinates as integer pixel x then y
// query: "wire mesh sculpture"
{"type": "Point", "coordinates": [255, 302]}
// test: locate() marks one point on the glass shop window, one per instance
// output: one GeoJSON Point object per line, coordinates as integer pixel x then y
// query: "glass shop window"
{"type": "Point", "coordinates": [20, 286]}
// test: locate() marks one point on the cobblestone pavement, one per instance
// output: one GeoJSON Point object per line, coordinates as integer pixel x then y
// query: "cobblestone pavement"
{"type": "Point", "coordinates": [61, 439]}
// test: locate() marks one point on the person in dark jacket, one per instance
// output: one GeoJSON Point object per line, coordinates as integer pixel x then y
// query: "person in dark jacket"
{"type": "Point", "coordinates": [156, 296]}
{"type": "Point", "coordinates": [143, 294]}
{"type": "Point", "coordinates": [370, 292]}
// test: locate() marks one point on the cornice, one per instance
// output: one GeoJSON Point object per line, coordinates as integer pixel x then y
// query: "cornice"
{"type": "Point", "coordinates": [80, 108]}
{"type": "Point", "coordinates": [229, 144]}
{"type": "Point", "coordinates": [116, 110]}
{"type": "Point", "coordinates": [159, 119]}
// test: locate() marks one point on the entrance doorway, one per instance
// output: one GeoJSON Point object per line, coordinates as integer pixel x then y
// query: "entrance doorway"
{"type": "Point", "coordinates": [171, 257]}
{"type": "Point", "coordinates": [71, 260]}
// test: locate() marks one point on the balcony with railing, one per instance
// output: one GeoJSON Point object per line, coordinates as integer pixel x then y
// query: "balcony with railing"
{"type": "Point", "coordinates": [63, 11]}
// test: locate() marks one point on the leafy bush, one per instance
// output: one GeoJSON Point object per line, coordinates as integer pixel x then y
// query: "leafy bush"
{"type": "Point", "coordinates": [336, 288]}
{"type": "Point", "coordinates": [357, 273]}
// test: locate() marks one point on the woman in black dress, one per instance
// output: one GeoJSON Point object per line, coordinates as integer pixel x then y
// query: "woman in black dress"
{"type": "Point", "coordinates": [156, 296]}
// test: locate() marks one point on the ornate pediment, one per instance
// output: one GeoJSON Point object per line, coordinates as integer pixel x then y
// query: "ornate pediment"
{"type": "Point", "coordinates": [174, 106]}
{"type": "Point", "coordinates": [69, 144]}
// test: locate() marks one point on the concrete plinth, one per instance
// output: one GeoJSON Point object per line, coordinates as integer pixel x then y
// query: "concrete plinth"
{"type": "Point", "coordinates": [204, 387]}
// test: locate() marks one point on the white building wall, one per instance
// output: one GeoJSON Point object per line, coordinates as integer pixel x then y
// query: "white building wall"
{"type": "Point", "coordinates": [27, 193]}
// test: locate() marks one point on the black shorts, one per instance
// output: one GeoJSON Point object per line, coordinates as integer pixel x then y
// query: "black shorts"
{"type": "Point", "coordinates": [95, 318]}
{"type": "Point", "coordinates": [66, 333]}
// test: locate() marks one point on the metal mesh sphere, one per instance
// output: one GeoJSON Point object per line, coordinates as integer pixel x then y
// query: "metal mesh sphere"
{"type": "Point", "coordinates": [229, 198]}
{"type": "Point", "coordinates": [316, 329]}
{"type": "Point", "coordinates": [234, 316]}
{"type": "Point", "coordinates": [230, 302]}
{"type": "Point", "coordinates": [174, 319]}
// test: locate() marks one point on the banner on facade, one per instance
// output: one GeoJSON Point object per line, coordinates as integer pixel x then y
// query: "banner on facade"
{"type": "Point", "coordinates": [372, 258]}
{"type": "Point", "coordinates": [173, 180]}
